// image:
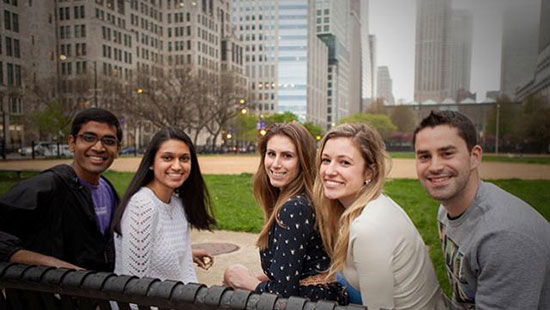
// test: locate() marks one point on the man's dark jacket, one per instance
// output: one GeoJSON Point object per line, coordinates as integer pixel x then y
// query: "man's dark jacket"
{"type": "Point", "coordinates": [53, 214]}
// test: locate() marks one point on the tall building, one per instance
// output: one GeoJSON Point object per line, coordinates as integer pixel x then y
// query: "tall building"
{"type": "Point", "coordinates": [88, 48]}
{"type": "Point", "coordinates": [332, 27]}
{"type": "Point", "coordinates": [284, 57]}
{"type": "Point", "coordinates": [318, 54]}
{"type": "Point", "coordinates": [539, 85]}
{"type": "Point", "coordinates": [460, 52]}
{"type": "Point", "coordinates": [366, 57]}
{"type": "Point", "coordinates": [385, 85]}
{"type": "Point", "coordinates": [432, 45]}
{"type": "Point", "coordinates": [520, 35]}
{"type": "Point", "coordinates": [294, 18]}
{"type": "Point", "coordinates": [373, 64]}
{"type": "Point", "coordinates": [27, 60]}
{"type": "Point", "coordinates": [355, 59]}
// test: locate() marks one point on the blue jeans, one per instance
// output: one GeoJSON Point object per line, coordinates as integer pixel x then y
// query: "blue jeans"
{"type": "Point", "coordinates": [353, 294]}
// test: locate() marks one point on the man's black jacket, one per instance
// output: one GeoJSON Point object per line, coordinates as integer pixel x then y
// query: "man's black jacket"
{"type": "Point", "coordinates": [53, 214]}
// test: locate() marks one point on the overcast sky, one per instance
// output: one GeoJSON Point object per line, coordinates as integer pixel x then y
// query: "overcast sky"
{"type": "Point", "coordinates": [394, 21]}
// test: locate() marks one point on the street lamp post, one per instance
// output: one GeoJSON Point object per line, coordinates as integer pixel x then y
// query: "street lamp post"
{"type": "Point", "coordinates": [497, 129]}
{"type": "Point", "coordinates": [95, 85]}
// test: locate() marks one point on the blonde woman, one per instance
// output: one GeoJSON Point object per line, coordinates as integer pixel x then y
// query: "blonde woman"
{"type": "Point", "coordinates": [370, 239]}
{"type": "Point", "coordinates": [293, 259]}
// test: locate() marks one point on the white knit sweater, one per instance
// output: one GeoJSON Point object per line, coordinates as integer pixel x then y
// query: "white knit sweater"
{"type": "Point", "coordinates": [155, 239]}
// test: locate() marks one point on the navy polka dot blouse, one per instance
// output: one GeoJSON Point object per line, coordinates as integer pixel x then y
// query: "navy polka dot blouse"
{"type": "Point", "coordinates": [295, 251]}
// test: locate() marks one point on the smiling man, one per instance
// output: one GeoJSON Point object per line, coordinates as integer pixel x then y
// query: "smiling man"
{"type": "Point", "coordinates": [496, 247]}
{"type": "Point", "coordinates": [62, 217]}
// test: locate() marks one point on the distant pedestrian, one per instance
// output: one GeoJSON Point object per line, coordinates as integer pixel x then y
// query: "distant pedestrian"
{"type": "Point", "coordinates": [166, 197]}
{"type": "Point", "coordinates": [293, 258]}
{"type": "Point", "coordinates": [496, 247]}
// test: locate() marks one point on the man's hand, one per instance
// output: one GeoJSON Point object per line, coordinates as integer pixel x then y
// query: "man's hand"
{"type": "Point", "coordinates": [34, 258]}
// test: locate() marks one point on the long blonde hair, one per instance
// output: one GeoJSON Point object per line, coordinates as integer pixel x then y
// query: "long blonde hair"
{"type": "Point", "coordinates": [271, 198]}
{"type": "Point", "coordinates": [333, 219]}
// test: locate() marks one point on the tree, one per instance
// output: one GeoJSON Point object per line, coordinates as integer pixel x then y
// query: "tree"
{"type": "Point", "coordinates": [245, 127]}
{"type": "Point", "coordinates": [51, 121]}
{"type": "Point", "coordinates": [170, 100]}
{"type": "Point", "coordinates": [380, 122]}
{"type": "Point", "coordinates": [315, 130]}
{"type": "Point", "coordinates": [403, 117]}
{"type": "Point", "coordinates": [377, 107]}
{"type": "Point", "coordinates": [229, 97]}
{"type": "Point", "coordinates": [535, 124]}
{"type": "Point", "coordinates": [285, 117]}
{"type": "Point", "coordinates": [507, 118]}
{"type": "Point", "coordinates": [49, 115]}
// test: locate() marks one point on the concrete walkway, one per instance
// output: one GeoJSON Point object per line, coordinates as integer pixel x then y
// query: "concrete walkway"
{"type": "Point", "coordinates": [247, 254]}
{"type": "Point", "coordinates": [235, 164]}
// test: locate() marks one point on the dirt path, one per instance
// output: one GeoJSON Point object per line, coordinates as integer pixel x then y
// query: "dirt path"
{"type": "Point", "coordinates": [235, 164]}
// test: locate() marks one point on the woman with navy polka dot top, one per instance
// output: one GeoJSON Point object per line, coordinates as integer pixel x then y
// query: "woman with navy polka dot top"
{"type": "Point", "coordinates": [293, 258]}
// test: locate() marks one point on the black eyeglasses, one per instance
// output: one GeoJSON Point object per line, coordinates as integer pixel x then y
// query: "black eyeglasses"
{"type": "Point", "coordinates": [90, 138]}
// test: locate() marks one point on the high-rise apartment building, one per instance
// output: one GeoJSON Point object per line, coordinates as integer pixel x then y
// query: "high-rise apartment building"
{"type": "Point", "coordinates": [27, 57]}
{"type": "Point", "coordinates": [432, 44]}
{"type": "Point", "coordinates": [373, 64]}
{"type": "Point", "coordinates": [385, 85]}
{"type": "Point", "coordinates": [460, 52]}
{"type": "Point", "coordinates": [88, 48]}
{"type": "Point", "coordinates": [443, 51]}
{"type": "Point", "coordinates": [286, 62]}
{"type": "Point", "coordinates": [355, 57]}
{"type": "Point", "coordinates": [332, 27]}
{"type": "Point", "coordinates": [520, 34]}
{"type": "Point", "coordinates": [539, 85]}
{"type": "Point", "coordinates": [366, 58]}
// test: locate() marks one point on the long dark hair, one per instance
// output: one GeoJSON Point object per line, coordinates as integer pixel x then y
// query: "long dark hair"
{"type": "Point", "coordinates": [270, 198]}
{"type": "Point", "coordinates": [193, 192]}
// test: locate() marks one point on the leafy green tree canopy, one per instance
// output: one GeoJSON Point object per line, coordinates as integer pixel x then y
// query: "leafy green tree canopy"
{"type": "Point", "coordinates": [51, 121]}
{"type": "Point", "coordinates": [285, 117]}
{"type": "Point", "coordinates": [403, 117]}
{"type": "Point", "coordinates": [315, 130]}
{"type": "Point", "coordinates": [380, 122]}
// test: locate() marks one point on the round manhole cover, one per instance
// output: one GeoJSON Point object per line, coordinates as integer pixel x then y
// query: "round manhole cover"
{"type": "Point", "coordinates": [216, 248]}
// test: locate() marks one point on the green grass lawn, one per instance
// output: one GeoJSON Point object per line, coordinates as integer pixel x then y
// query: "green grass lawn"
{"type": "Point", "coordinates": [236, 210]}
{"type": "Point", "coordinates": [512, 158]}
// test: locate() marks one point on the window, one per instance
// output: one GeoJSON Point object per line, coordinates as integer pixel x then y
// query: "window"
{"type": "Point", "coordinates": [16, 50]}
{"type": "Point", "coordinates": [15, 105]}
{"type": "Point", "coordinates": [79, 12]}
{"type": "Point", "coordinates": [17, 75]}
{"type": "Point", "coordinates": [9, 68]}
{"type": "Point", "coordinates": [9, 51]}
{"type": "Point", "coordinates": [15, 22]}
{"type": "Point", "coordinates": [79, 31]}
{"type": "Point", "coordinates": [65, 32]}
{"type": "Point", "coordinates": [7, 20]}
{"type": "Point", "coordinates": [1, 73]}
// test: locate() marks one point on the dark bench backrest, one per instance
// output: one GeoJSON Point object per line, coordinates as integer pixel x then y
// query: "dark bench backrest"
{"type": "Point", "coordinates": [39, 287]}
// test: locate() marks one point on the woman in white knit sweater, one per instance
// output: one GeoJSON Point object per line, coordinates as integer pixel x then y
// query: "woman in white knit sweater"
{"type": "Point", "coordinates": [165, 198]}
{"type": "Point", "coordinates": [370, 239]}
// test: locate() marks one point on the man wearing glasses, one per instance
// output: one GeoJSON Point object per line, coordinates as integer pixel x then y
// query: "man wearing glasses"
{"type": "Point", "coordinates": [62, 217]}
